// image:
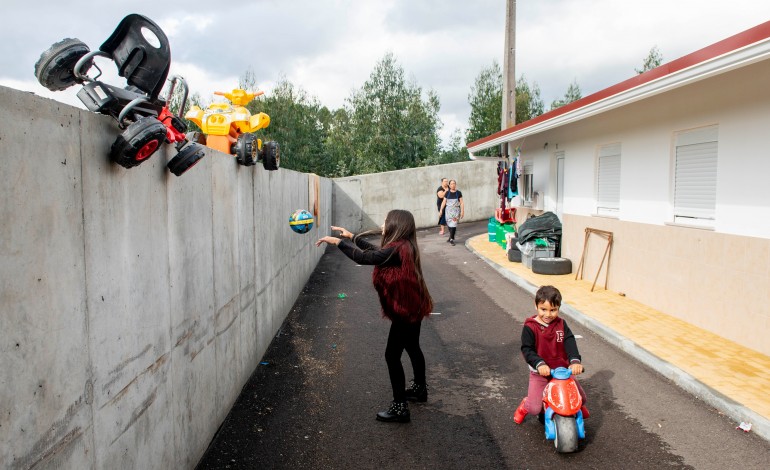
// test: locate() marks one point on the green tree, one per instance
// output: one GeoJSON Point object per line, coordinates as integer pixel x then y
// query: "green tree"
{"type": "Point", "coordinates": [573, 94]}
{"type": "Point", "coordinates": [391, 126]}
{"type": "Point", "coordinates": [653, 59]}
{"type": "Point", "coordinates": [298, 123]}
{"type": "Point", "coordinates": [338, 143]}
{"type": "Point", "coordinates": [486, 101]}
{"type": "Point", "coordinates": [529, 104]}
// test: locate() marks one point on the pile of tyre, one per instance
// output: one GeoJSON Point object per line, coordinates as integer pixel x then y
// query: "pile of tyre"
{"type": "Point", "coordinates": [543, 234]}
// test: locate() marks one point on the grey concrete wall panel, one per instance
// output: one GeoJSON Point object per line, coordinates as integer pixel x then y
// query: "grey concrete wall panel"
{"type": "Point", "coordinates": [224, 185]}
{"type": "Point", "coordinates": [247, 264]}
{"type": "Point", "coordinates": [45, 392]}
{"type": "Point", "coordinates": [362, 202]}
{"type": "Point", "coordinates": [128, 301]}
{"type": "Point", "coordinates": [190, 235]}
{"type": "Point", "coordinates": [135, 304]}
{"type": "Point", "coordinates": [347, 200]}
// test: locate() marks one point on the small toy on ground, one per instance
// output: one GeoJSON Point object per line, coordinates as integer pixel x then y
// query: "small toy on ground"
{"type": "Point", "coordinates": [301, 221]}
{"type": "Point", "coordinates": [140, 50]}
{"type": "Point", "coordinates": [562, 407]}
{"type": "Point", "coordinates": [229, 128]}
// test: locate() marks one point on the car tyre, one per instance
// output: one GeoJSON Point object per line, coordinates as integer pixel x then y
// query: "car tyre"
{"type": "Point", "coordinates": [138, 142]}
{"type": "Point", "coordinates": [514, 255]}
{"type": "Point", "coordinates": [55, 68]}
{"type": "Point", "coordinates": [551, 266]}
{"type": "Point", "coordinates": [187, 158]}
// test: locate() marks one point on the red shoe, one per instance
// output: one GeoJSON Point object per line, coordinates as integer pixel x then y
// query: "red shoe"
{"type": "Point", "coordinates": [521, 411]}
{"type": "Point", "coordinates": [585, 412]}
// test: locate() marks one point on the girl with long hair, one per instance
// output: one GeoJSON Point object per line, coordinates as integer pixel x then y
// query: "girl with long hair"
{"type": "Point", "coordinates": [404, 297]}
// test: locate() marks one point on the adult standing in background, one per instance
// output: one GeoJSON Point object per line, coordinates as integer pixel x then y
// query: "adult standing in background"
{"type": "Point", "coordinates": [439, 200]}
{"type": "Point", "coordinates": [453, 209]}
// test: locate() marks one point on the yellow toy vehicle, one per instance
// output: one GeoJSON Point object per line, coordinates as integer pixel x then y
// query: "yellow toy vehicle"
{"type": "Point", "coordinates": [229, 128]}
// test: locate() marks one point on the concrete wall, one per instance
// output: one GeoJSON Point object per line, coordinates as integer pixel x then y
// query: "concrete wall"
{"type": "Point", "coordinates": [135, 304]}
{"type": "Point", "coordinates": [362, 202]}
{"type": "Point", "coordinates": [701, 276]}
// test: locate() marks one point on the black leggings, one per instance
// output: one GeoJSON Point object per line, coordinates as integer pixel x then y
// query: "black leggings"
{"type": "Point", "coordinates": [452, 231]}
{"type": "Point", "coordinates": [402, 336]}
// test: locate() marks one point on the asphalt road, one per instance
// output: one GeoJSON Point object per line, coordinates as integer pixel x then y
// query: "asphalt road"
{"type": "Point", "coordinates": [313, 402]}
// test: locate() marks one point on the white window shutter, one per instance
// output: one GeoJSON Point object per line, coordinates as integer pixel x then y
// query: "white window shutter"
{"type": "Point", "coordinates": [695, 175]}
{"type": "Point", "coordinates": [608, 179]}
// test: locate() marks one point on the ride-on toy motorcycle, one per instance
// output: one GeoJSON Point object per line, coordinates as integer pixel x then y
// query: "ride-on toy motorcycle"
{"type": "Point", "coordinates": [141, 51]}
{"type": "Point", "coordinates": [563, 418]}
{"type": "Point", "coordinates": [230, 127]}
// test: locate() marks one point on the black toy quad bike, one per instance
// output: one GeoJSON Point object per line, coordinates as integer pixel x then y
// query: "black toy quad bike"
{"type": "Point", "coordinates": [141, 51]}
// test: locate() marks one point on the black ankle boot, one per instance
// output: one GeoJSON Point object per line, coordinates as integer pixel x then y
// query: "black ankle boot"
{"type": "Point", "coordinates": [397, 413]}
{"type": "Point", "coordinates": [417, 392]}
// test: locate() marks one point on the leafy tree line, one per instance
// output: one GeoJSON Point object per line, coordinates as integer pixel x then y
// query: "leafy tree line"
{"type": "Point", "coordinates": [389, 123]}
{"type": "Point", "coordinates": [486, 99]}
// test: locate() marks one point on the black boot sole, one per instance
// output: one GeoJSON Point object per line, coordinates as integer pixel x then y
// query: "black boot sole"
{"type": "Point", "coordinates": [417, 399]}
{"type": "Point", "coordinates": [393, 419]}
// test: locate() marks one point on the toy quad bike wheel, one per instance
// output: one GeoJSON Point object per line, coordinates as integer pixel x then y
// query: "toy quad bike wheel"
{"type": "Point", "coordinates": [186, 159]}
{"type": "Point", "coordinates": [271, 155]}
{"type": "Point", "coordinates": [138, 142]}
{"type": "Point", "coordinates": [55, 68]}
{"type": "Point", "coordinates": [246, 149]}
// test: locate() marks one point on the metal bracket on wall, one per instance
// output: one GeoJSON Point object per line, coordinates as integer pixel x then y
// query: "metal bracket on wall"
{"type": "Point", "coordinates": [607, 254]}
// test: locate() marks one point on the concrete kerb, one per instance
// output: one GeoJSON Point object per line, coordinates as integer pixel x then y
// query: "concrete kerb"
{"type": "Point", "coordinates": [759, 424]}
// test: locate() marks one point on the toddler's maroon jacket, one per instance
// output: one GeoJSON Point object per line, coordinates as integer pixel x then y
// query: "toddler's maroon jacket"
{"type": "Point", "coordinates": [553, 345]}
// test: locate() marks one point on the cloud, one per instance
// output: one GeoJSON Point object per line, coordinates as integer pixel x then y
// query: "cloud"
{"type": "Point", "coordinates": [329, 47]}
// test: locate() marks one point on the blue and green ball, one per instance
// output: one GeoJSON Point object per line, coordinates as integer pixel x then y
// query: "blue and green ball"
{"type": "Point", "coordinates": [301, 221]}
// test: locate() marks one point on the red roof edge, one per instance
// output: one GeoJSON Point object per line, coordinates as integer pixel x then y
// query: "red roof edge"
{"type": "Point", "coordinates": [750, 36]}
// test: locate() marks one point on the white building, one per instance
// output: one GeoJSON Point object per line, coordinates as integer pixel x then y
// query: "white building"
{"type": "Point", "coordinates": [675, 163]}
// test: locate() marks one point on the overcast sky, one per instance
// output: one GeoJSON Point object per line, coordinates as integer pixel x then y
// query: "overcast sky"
{"type": "Point", "coordinates": [329, 47]}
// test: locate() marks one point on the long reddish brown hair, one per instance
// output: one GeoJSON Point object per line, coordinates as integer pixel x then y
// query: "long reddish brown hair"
{"type": "Point", "coordinates": [399, 225]}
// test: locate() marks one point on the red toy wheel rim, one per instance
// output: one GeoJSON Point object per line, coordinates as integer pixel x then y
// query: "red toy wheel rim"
{"type": "Point", "coordinates": [147, 150]}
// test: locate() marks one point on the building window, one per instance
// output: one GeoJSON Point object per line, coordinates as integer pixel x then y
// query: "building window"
{"type": "Point", "coordinates": [608, 180]}
{"type": "Point", "coordinates": [695, 176]}
{"type": "Point", "coordinates": [527, 182]}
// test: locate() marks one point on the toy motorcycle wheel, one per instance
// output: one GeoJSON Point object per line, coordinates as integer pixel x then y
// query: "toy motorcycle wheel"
{"type": "Point", "coordinates": [138, 142]}
{"type": "Point", "coordinates": [246, 149]}
{"type": "Point", "coordinates": [566, 433]}
{"type": "Point", "coordinates": [271, 155]}
{"type": "Point", "coordinates": [54, 69]}
{"type": "Point", "coordinates": [186, 159]}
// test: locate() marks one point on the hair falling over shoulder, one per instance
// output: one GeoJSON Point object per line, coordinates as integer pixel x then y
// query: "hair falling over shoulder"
{"type": "Point", "coordinates": [399, 225]}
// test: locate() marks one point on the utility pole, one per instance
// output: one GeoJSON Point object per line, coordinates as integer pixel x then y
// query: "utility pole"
{"type": "Point", "coordinates": [509, 73]}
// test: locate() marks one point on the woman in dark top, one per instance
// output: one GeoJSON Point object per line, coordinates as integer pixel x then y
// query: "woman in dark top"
{"type": "Point", "coordinates": [439, 200]}
{"type": "Point", "coordinates": [405, 301]}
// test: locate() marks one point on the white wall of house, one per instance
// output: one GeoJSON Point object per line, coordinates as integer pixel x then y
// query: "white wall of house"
{"type": "Point", "coordinates": [703, 276]}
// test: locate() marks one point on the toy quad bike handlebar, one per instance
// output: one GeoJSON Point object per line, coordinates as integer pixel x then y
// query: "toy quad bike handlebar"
{"type": "Point", "coordinates": [141, 51]}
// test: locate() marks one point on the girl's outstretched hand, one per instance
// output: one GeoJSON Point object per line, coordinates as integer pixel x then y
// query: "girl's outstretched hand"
{"type": "Point", "coordinates": [329, 240]}
{"type": "Point", "coordinates": [344, 233]}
